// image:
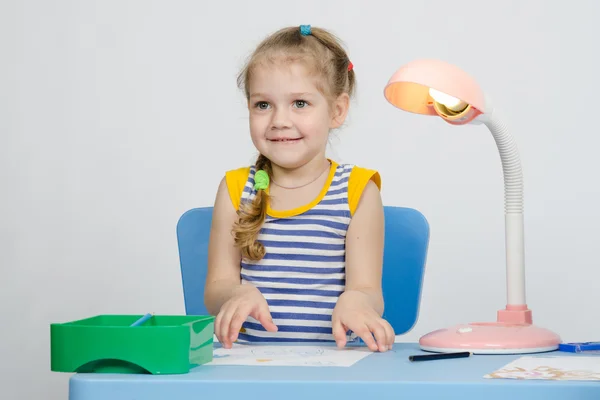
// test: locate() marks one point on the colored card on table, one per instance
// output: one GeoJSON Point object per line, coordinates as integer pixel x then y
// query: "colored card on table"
{"type": "Point", "coordinates": [551, 368]}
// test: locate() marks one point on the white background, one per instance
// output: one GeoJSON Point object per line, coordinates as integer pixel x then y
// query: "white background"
{"type": "Point", "coordinates": [107, 109]}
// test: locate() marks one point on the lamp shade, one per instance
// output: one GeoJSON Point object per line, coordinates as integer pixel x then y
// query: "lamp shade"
{"type": "Point", "coordinates": [408, 88]}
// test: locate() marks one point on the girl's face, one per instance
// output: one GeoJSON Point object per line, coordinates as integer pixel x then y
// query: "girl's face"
{"type": "Point", "coordinates": [290, 118]}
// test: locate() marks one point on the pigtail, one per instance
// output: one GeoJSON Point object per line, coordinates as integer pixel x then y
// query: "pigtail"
{"type": "Point", "coordinates": [251, 218]}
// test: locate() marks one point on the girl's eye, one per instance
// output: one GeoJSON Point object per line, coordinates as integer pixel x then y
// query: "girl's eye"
{"type": "Point", "coordinates": [262, 105]}
{"type": "Point", "coordinates": [300, 103]}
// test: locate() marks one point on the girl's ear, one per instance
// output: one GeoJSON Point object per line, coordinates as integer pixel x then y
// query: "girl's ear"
{"type": "Point", "coordinates": [339, 110]}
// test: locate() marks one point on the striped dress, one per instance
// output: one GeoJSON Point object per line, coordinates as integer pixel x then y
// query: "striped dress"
{"type": "Point", "coordinates": [303, 271]}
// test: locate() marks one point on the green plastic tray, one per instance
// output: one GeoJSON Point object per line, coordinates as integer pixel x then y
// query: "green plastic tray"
{"type": "Point", "coordinates": [165, 344]}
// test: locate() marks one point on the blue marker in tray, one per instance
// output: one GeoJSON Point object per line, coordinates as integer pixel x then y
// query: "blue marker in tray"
{"type": "Point", "coordinates": [142, 320]}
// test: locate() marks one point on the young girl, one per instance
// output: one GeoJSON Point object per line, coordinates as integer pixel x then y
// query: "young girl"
{"type": "Point", "coordinates": [296, 244]}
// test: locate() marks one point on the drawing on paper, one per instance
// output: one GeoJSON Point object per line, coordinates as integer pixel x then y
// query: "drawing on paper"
{"type": "Point", "coordinates": [294, 355]}
{"type": "Point", "coordinates": [298, 351]}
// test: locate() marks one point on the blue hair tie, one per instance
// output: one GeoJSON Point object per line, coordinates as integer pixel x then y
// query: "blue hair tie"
{"type": "Point", "coordinates": [305, 30]}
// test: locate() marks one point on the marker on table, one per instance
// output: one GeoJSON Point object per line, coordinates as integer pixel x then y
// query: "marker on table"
{"type": "Point", "coordinates": [440, 356]}
{"type": "Point", "coordinates": [142, 320]}
{"type": "Point", "coordinates": [580, 347]}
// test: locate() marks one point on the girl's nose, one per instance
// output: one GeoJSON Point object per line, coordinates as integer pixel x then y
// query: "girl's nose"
{"type": "Point", "coordinates": [281, 119]}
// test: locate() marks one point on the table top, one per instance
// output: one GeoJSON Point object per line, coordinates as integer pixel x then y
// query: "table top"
{"type": "Point", "coordinates": [388, 375]}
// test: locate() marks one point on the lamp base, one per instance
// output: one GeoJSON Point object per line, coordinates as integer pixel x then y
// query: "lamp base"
{"type": "Point", "coordinates": [491, 338]}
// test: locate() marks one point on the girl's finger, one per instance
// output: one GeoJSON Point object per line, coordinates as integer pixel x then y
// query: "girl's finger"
{"type": "Point", "coordinates": [376, 326]}
{"type": "Point", "coordinates": [237, 319]}
{"type": "Point", "coordinates": [225, 323]}
{"type": "Point", "coordinates": [391, 336]}
{"type": "Point", "coordinates": [217, 325]}
{"type": "Point", "coordinates": [339, 332]}
{"type": "Point", "coordinates": [364, 333]}
{"type": "Point", "coordinates": [262, 314]}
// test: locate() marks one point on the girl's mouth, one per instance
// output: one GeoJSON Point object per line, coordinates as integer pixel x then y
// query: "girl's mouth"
{"type": "Point", "coordinates": [285, 140]}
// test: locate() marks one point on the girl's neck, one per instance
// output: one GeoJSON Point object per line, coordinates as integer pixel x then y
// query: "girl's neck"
{"type": "Point", "coordinates": [298, 177]}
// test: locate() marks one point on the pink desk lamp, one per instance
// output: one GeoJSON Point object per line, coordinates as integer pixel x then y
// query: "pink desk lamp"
{"type": "Point", "coordinates": [433, 87]}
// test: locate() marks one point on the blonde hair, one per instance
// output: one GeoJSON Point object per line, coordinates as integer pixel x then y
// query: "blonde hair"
{"type": "Point", "coordinates": [324, 55]}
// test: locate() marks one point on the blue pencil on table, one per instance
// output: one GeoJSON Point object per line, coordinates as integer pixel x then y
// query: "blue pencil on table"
{"type": "Point", "coordinates": [142, 320]}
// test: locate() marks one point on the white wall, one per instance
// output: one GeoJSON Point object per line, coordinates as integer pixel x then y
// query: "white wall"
{"type": "Point", "coordinates": [107, 108]}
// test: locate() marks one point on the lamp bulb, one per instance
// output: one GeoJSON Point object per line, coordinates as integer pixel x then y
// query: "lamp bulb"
{"type": "Point", "coordinates": [450, 102]}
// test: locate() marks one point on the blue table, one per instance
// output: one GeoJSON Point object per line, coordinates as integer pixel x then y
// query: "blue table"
{"type": "Point", "coordinates": [379, 376]}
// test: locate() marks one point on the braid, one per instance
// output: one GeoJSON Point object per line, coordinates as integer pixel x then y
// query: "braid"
{"type": "Point", "coordinates": [251, 218]}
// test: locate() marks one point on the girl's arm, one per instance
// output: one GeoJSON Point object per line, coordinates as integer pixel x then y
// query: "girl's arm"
{"type": "Point", "coordinates": [223, 275]}
{"type": "Point", "coordinates": [360, 307]}
{"type": "Point", "coordinates": [364, 248]}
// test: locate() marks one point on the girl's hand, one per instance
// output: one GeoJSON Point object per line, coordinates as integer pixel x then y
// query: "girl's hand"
{"type": "Point", "coordinates": [352, 312]}
{"type": "Point", "coordinates": [247, 301]}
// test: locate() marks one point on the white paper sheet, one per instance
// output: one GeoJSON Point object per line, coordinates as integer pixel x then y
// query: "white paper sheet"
{"type": "Point", "coordinates": [567, 368]}
{"type": "Point", "coordinates": [280, 355]}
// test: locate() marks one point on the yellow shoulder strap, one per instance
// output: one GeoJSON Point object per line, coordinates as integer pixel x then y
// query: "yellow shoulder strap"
{"type": "Point", "coordinates": [236, 181]}
{"type": "Point", "coordinates": [359, 177]}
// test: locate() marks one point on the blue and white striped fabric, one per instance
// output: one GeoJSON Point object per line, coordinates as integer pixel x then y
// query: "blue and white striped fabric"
{"type": "Point", "coordinates": [303, 272]}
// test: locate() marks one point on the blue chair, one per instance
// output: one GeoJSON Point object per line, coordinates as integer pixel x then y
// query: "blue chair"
{"type": "Point", "coordinates": [404, 258]}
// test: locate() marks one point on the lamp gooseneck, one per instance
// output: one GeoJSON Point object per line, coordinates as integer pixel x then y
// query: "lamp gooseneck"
{"type": "Point", "coordinates": [513, 207]}
{"type": "Point", "coordinates": [455, 111]}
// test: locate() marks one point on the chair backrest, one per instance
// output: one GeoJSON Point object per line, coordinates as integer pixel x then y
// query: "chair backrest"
{"type": "Point", "coordinates": [404, 258]}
